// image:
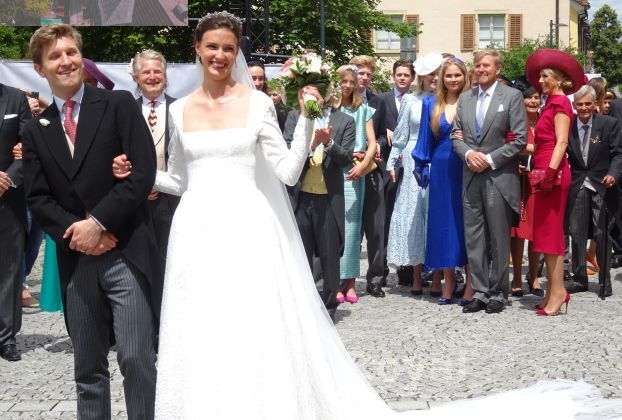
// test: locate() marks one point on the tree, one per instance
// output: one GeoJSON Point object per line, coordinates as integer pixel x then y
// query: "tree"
{"type": "Point", "coordinates": [514, 59]}
{"type": "Point", "coordinates": [294, 26]}
{"type": "Point", "coordinates": [14, 42]}
{"type": "Point", "coordinates": [23, 12]}
{"type": "Point", "coordinates": [606, 32]}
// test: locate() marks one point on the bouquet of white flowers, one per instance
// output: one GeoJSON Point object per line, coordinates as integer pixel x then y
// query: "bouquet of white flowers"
{"type": "Point", "coordinates": [298, 72]}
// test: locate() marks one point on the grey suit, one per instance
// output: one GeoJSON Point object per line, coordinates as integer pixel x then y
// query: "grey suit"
{"type": "Point", "coordinates": [321, 218]}
{"type": "Point", "coordinates": [490, 198]}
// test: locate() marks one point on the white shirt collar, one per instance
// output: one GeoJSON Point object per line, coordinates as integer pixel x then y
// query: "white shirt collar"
{"type": "Point", "coordinates": [77, 97]}
{"type": "Point", "coordinates": [159, 100]}
{"type": "Point", "coordinates": [489, 91]}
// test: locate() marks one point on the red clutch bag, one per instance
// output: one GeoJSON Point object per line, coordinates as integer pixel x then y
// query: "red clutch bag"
{"type": "Point", "coordinates": [537, 175]}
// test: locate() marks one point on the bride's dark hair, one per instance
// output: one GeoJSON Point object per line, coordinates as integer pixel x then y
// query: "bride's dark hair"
{"type": "Point", "coordinates": [218, 20]}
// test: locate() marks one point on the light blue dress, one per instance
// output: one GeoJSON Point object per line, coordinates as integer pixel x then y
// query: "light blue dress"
{"type": "Point", "coordinates": [407, 231]}
{"type": "Point", "coordinates": [354, 192]}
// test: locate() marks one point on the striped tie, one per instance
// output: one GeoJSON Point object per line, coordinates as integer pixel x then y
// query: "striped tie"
{"type": "Point", "coordinates": [71, 126]}
{"type": "Point", "coordinates": [153, 117]}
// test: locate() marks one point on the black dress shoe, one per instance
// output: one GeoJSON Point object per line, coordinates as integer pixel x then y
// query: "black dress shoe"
{"type": "Point", "coordinates": [375, 290]}
{"type": "Point", "coordinates": [405, 275]}
{"type": "Point", "coordinates": [616, 262]}
{"type": "Point", "coordinates": [476, 305]}
{"type": "Point", "coordinates": [494, 307]}
{"type": "Point", "coordinates": [9, 352]}
{"type": "Point", "coordinates": [567, 276]}
{"type": "Point", "coordinates": [575, 287]}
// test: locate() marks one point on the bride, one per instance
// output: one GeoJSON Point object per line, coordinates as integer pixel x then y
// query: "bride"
{"type": "Point", "coordinates": [262, 346]}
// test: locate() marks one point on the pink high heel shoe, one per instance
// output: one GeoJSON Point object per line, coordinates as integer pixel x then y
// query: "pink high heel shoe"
{"type": "Point", "coordinates": [352, 299]}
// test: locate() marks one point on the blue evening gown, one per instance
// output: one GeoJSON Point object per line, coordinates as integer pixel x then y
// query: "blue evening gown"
{"type": "Point", "coordinates": [445, 233]}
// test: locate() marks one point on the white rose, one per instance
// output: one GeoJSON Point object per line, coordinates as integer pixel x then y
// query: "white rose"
{"type": "Point", "coordinates": [315, 65]}
{"type": "Point", "coordinates": [44, 122]}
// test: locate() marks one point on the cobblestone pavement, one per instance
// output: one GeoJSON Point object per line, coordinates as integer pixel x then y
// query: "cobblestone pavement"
{"type": "Point", "coordinates": [414, 352]}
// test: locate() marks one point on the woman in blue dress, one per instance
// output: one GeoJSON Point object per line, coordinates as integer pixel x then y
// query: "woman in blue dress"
{"type": "Point", "coordinates": [407, 232]}
{"type": "Point", "coordinates": [351, 103]}
{"type": "Point", "coordinates": [436, 164]}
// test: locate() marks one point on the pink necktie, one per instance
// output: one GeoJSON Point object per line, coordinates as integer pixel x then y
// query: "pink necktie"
{"type": "Point", "coordinates": [71, 126]}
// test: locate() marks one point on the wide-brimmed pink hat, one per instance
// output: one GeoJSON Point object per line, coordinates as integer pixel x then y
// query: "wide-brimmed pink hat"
{"type": "Point", "coordinates": [547, 58]}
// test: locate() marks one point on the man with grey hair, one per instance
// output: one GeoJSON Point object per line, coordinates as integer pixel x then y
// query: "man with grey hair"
{"type": "Point", "coordinates": [149, 73]}
{"type": "Point", "coordinates": [595, 158]}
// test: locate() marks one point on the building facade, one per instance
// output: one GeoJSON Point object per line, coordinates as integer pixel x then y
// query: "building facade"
{"type": "Point", "coordinates": [462, 27]}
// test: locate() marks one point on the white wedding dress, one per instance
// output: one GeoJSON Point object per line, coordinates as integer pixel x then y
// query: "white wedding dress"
{"type": "Point", "coordinates": [244, 334]}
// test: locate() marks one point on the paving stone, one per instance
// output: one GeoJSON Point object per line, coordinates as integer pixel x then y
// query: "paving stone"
{"type": "Point", "coordinates": [413, 351]}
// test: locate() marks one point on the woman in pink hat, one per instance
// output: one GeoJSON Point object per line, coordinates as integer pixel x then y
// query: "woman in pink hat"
{"type": "Point", "coordinates": [555, 74]}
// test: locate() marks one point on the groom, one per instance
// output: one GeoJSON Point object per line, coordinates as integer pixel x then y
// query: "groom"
{"type": "Point", "coordinates": [107, 255]}
{"type": "Point", "coordinates": [490, 182]}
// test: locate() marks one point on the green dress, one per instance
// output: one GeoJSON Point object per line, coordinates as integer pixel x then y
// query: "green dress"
{"type": "Point", "coordinates": [354, 192]}
{"type": "Point", "coordinates": [50, 299]}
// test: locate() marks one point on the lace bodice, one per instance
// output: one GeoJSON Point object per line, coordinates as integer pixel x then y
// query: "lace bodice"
{"type": "Point", "coordinates": [209, 159]}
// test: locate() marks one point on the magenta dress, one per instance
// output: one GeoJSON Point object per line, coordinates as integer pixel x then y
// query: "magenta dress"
{"type": "Point", "coordinates": [550, 206]}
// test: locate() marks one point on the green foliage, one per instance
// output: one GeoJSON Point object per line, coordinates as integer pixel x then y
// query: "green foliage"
{"type": "Point", "coordinates": [23, 12]}
{"type": "Point", "coordinates": [381, 80]}
{"type": "Point", "coordinates": [14, 42]}
{"type": "Point", "coordinates": [514, 59]}
{"type": "Point", "coordinates": [294, 26]}
{"type": "Point", "coordinates": [606, 35]}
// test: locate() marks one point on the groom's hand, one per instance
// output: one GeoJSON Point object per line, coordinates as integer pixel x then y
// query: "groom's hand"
{"type": "Point", "coordinates": [107, 241]}
{"type": "Point", "coordinates": [84, 235]}
{"type": "Point", "coordinates": [477, 162]}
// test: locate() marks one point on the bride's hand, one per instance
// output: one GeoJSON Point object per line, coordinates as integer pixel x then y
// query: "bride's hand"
{"type": "Point", "coordinates": [121, 167]}
{"type": "Point", "coordinates": [310, 90]}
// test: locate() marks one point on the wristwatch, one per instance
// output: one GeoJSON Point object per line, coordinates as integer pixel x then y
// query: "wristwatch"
{"type": "Point", "coordinates": [329, 144]}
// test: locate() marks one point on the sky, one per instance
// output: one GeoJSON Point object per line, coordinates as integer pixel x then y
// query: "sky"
{"type": "Point", "coordinates": [596, 4]}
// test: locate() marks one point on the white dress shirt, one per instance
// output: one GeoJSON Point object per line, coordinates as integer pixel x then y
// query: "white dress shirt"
{"type": "Point", "coordinates": [485, 103]}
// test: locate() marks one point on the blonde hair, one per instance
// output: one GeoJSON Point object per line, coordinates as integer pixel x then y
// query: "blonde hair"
{"type": "Point", "coordinates": [357, 100]}
{"type": "Point", "coordinates": [564, 81]}
{"type": "Point", "coordinates": [364, 60]}
{"type": "Point", "coordinates": [48, 33]}
{"type": "Point", "coordinates": [441, 92]}
{"type": "Point", "coordinates": [496, 57]}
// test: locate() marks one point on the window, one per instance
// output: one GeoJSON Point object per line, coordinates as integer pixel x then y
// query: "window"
{"type": "Point", "coordinates": [491, 31]}
{"type": "Point", "coordinates": [389, 40]}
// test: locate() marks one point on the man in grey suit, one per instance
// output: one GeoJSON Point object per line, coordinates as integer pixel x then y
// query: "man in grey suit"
{"type": "Point", "coordinates": [491, 189]}
{"type": "Point", "coordinates": [317, 198]}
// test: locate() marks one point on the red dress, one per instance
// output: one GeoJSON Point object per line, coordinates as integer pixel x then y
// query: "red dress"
{"type": "Point", "coordinates": [525, 226]}
{"type": "Point", "coordinates": [550, 206]}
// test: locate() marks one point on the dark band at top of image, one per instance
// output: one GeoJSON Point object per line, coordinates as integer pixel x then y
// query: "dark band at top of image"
{"type": "Point", "coordinates": [94, 12]}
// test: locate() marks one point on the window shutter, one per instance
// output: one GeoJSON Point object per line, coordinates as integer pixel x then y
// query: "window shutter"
{"type": "Point", "coordinates": [467, 33]}
{"type": "Point", "coordinates": [413, 19]}
{"type": "Point", "coordinates": [515, 30]}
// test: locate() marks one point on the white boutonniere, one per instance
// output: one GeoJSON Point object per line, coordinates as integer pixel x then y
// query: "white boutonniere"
{"type": "Point", "coordinates": [44, 122]}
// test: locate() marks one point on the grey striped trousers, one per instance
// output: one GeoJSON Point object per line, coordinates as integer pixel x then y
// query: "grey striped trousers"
{"type": "Point", "coordinates": [105, 291]}
{"type": "Point", "coordinates": [589, 210]}
{"type": "Point", "coordinates": [12, 237]}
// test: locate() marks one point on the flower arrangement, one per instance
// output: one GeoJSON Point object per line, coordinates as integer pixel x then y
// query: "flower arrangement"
{"type": "Point", "coordinates": [298, 72]}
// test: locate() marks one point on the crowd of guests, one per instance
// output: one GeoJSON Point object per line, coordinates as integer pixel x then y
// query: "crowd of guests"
{"type": "Point", "coordinates": [436, 183]}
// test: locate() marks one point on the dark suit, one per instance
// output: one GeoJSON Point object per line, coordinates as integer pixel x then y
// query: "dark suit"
{"type": "Point", "coordinates": [321, 218]}
{"type": "Point", "coordinates": [14, 113]}
{"type": "Point", "coordinates": [380, 192]}
{"type": "Point", "coordinates": [615, 231]}
{"type": "Point", "coordinates": [163, 208]}
{"type": "Point", "coordinates": [591, 209]}
{"type": "Point", "coordinates": [117, 285]}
